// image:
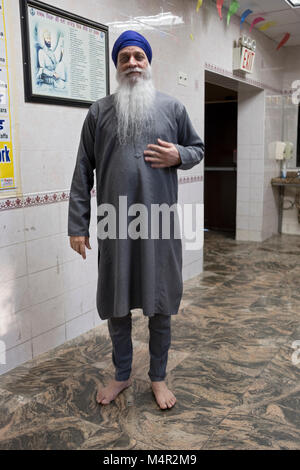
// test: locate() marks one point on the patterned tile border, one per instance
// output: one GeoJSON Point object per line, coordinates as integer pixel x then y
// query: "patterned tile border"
{"type": "Point", "coordinates": [240, 75]}
{"type": "Point", "coordinates": [38, 199]}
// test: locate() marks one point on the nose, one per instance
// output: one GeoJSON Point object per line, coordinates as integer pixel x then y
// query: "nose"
{"type": "Point", "coordinates": [132, 61]}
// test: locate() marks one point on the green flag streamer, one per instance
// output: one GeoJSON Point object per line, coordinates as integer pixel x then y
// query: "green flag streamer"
{"type": "Point", "coordinates": [234, 6]}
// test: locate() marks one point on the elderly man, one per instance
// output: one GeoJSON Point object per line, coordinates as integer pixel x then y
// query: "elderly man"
{"type": "Point", "coordinates": [136, 139]}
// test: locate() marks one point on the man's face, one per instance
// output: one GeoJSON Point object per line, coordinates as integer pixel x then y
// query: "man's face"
{"type": "Point", "coordinates": [131, 57]}
{"type": "Point", "coordinates": [47, 39]}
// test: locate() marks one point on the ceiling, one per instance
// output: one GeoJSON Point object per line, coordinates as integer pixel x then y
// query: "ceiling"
{"type": "Point", "coordinates": [215, 93]}
{"type": "Point", "coordinates": [287, 18]}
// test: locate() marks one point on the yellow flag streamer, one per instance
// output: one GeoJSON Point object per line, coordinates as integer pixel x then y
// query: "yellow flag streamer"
{"type": "Point", "coordinates": [192, 36]}
{"type": "Point", "coordinates": [267, 25]}
{"type": "Point", "coordinates": [199, 5]}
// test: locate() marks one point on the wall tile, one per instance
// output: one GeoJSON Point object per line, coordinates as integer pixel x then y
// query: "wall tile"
{"type": "Point", "coordinates": [47, 315]}
{"type": "Point", "coordinates": [49, 340]}
{"type": "Point", "coordinates": [79, 325]}
{"type": "Point", "coordinates": [13, 262]}
{"type": "Point", "coordinates": [12, 227]}
{"type": "Point", "coordinates": [17, 356]}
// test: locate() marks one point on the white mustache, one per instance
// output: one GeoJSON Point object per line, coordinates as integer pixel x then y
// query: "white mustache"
{"type": "Point", "coordinates": [135, 69]}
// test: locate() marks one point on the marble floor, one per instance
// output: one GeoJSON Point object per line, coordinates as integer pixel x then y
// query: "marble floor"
{"type": "Point", "coordinates": [230, 367]}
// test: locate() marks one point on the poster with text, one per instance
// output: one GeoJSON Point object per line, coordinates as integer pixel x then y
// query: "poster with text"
{"type": "Point", "coordinates": [68, 59]}
{"type": "Point", "coordinates": [7, 172]}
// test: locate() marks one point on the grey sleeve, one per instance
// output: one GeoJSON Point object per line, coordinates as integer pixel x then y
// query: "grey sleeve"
{"type": "Point", "coordinates": [190, 146]}
{"type": "Point", "coordinates": [83, 179]}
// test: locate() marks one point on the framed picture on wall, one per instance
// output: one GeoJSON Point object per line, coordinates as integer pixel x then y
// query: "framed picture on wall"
{"type": "Point", "coordinates": [65, 56]}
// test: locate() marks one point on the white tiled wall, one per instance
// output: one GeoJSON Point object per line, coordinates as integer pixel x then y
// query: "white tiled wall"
{"type": "Point", "coordinates": [290, 223]}
{"type": "Point", "coordinates": [48, 292]}
{"type": "Point", "coordinates": [192, 259]}
{"type": "Point", "coordinates": [273, 132]}
{"type": "Point", "coordinates": [250, 164]}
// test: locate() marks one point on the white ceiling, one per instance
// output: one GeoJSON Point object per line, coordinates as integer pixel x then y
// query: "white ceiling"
{"type": "Point", "coordinates": [287, 18]}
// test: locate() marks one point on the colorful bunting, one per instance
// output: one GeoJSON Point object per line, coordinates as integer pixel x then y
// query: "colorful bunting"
{"type": "Point", "coordinates": [244, 16]}
{"type": "Point", "coordinates": [234, 6]}
{"type": "Point", "coordinates": [255, 21]}
{"type": "Point", "coordinates": [285, 38]}
{"type": "Point", "coordinates": [199, 5]}
{"type": "Point", "coordinates": [219, 7]}
{"type": "Point", "coordinates": [267, 25]}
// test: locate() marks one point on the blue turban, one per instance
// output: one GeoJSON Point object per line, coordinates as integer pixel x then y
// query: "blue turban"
{"type": "Point", "coordinates": [131, 38]}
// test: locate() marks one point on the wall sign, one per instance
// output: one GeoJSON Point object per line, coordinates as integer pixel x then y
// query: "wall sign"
{"type": "Point", "coordinates": [7, 172]}
{"type": "Point", "coordinates": [65, 57]}
{"type": "Point", "coordinates": [244, 54]}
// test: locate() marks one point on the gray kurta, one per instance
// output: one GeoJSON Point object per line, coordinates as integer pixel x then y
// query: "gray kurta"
{"type": "Point", "coordinates": [140, 273]}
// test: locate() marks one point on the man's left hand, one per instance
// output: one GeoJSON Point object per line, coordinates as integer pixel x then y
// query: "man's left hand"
{"type": "Point", "coordinates": [163, 155]}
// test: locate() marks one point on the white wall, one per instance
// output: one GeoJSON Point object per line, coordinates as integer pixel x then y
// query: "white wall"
{"type": "Point", "coordinates": [250, 164]}
{"type": "Point", "coordinates": [290, 224]}
{"type": "Point", "coordinates": [47, 292]}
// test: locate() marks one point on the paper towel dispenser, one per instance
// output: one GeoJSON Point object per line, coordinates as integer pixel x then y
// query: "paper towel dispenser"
{"type": "Point", "coordinates": [281, 150]}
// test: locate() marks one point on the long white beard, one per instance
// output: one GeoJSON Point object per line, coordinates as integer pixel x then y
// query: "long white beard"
{"type": "Point", "coordinates": [134, 101]}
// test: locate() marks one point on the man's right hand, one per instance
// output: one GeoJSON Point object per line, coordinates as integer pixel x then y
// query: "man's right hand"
{"type": "Point", "coordinates": [79, 243]}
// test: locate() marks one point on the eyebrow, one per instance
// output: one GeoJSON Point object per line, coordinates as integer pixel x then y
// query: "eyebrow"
{"type": "Point", "coordinates": [124, 54]}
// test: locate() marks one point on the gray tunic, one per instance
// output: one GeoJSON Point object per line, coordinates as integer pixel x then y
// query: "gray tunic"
{"type": "Point", "coordinates": [141, 273]}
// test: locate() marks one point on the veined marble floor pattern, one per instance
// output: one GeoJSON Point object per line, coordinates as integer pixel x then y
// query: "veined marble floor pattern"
{"type": "Point", "coordinates": [230, 367]}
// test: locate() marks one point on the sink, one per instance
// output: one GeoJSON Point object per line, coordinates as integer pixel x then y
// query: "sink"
{"type": "Point", "coordinates": [291, 178]}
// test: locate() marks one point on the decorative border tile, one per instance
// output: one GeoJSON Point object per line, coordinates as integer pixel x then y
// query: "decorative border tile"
{"type": "Point", "coordinates": [39, 199]}
{"type": "Point", "coordinates": [190, 179]}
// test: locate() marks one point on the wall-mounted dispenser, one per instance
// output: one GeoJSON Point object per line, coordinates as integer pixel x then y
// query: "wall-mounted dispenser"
{"type": "Point", "coordinates": [282, 151]}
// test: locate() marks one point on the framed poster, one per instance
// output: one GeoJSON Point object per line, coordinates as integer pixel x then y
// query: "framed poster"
{"type": "Point", "coordinates": [65, 57]}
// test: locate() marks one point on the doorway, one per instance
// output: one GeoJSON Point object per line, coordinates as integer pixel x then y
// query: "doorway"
{"type": "Point", "coordinates": [220, 170]}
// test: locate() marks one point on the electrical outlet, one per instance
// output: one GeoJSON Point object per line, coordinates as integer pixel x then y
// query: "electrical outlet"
{"type": "Point", "coordinates": [182, 78]}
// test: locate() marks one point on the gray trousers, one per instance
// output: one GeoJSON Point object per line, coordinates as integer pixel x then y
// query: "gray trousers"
{"type": "Point", "coordinates": [159, 344]}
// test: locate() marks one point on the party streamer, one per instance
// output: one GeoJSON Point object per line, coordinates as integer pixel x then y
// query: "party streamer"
{"type": "Point", "coordinates": [255, 21]}
{"type": "Point", "coordinates": [234, 6]}
{"type": "Point", "coordinates": [244, 15]}
{"type": "Point", "coordinates": [267, 25]}
{"type": "Point", "coordinates": [199, 5]}
{"type": "Point", "coordinates": [219, 7]}
{"type": "Point", "coordinates": [285, 38]}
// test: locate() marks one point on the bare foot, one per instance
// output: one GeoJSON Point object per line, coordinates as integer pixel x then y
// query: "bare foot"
{"type": "Point", "coordinates": [164, 397]}
{"type": "Point", "coordinates": [106, 394]}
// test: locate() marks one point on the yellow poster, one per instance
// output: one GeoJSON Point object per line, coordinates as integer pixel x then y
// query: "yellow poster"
{"type": "Point", "coordinates": [7, 176]}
